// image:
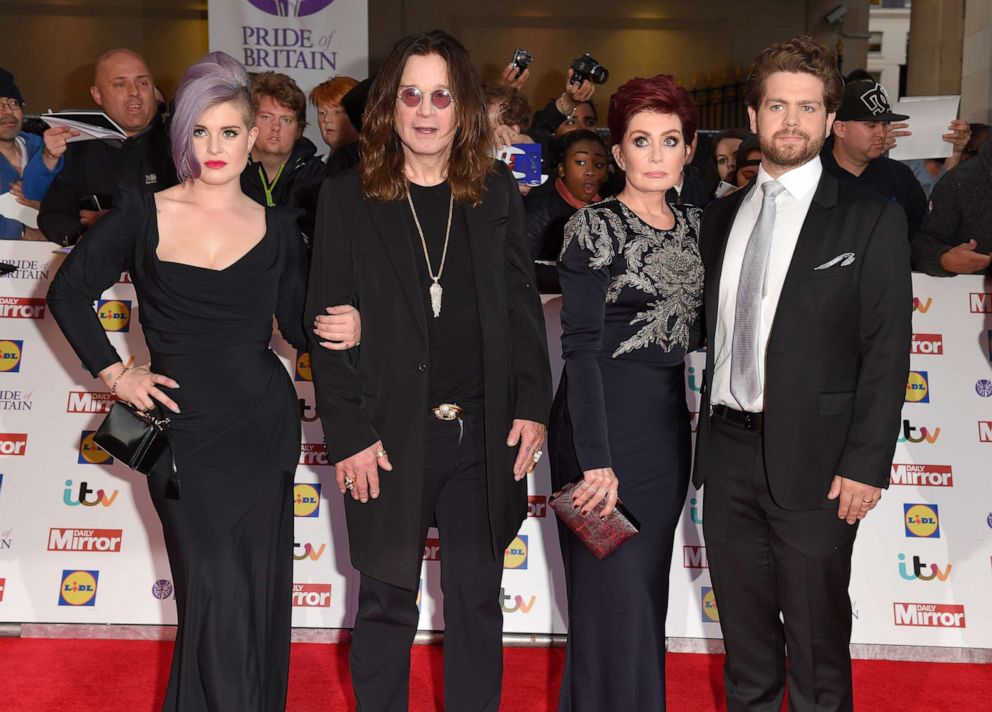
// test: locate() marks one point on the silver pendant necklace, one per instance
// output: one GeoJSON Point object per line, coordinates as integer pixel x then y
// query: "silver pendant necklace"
{"type": "Point", "coordinates": [435, 289]}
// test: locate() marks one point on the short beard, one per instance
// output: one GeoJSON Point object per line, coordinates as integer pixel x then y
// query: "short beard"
{"type": "Point", "coordinates": [791, 158]}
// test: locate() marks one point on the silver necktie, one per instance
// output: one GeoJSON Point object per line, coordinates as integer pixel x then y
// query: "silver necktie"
{"type": "Point", "coordinates": [745, 379]}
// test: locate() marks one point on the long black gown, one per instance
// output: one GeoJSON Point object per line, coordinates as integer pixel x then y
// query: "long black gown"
{"type": "Point", "coordinates": [631, 302]}
{"type": "Point", "coordinates": [229, 535]}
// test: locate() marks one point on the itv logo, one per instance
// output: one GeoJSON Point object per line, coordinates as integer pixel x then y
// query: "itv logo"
{"type": "Point", "coordinates": [922, 571]}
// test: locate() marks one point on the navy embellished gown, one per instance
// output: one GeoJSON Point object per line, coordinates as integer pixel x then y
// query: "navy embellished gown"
{"type": "Point", "coordinates": [631, 307]}
{"type": "Point", "coordinates": [237, 440]}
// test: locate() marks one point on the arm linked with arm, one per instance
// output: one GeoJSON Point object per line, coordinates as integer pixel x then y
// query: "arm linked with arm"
{"type": "Point", "coordinates": [528, 338]}
{"type": "Point", "coordinates": [337, 380]}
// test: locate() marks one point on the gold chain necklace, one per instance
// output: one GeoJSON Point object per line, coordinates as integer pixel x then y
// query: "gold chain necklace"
{"type": "Point", "coordinates": [435, 289]}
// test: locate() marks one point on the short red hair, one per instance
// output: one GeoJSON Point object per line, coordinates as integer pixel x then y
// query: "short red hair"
{"type": "Point", "coordinates": [659, 94]}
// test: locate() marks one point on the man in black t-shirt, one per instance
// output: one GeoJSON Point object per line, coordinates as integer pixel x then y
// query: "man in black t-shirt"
{"type": "Point", "coordinates": [854, 152]}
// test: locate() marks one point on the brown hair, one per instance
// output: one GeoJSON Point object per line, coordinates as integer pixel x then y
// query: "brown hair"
{"type": "Point", "coordinates": [514, 109]}
{"type": "Point", "coordinates": [381, 167]}
{"type": "Point", "coordinates": [799, 55]}
{"type": "Point", "coordinates": [332, 91]}
{"type": "Point", "coordinates": [282, 90]}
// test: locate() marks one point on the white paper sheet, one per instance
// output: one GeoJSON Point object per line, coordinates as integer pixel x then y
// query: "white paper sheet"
{"type": "Point", "coordinates": [10, 208]}
{"type": "Point", "coordinates": [929, 117]}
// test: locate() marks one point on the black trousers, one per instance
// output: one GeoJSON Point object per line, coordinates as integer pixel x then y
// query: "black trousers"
{"type": "Point", "coordinates": [766, 561]}
{"type": "Point", "coordinates": [455, 498]}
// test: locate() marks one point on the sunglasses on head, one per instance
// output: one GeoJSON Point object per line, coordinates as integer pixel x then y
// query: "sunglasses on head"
{"type": "Point", "coordinates": [413, 96]}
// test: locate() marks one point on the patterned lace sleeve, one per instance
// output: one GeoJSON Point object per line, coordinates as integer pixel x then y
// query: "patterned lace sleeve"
{"type": "Point", "coordinates": [588, 229]}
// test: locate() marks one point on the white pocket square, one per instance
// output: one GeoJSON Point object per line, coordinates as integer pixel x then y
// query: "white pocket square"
{"type": "Point", "coordinates": [843, 260]}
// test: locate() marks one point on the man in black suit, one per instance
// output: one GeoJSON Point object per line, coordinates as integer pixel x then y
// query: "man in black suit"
{"type": "Point", "coordinates": [808, 316]}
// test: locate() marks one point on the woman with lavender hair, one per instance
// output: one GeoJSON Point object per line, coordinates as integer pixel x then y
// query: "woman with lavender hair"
{"type": "Point", "coordinates": [210, 268]}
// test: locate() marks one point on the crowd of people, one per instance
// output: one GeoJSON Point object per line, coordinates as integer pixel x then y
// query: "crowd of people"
{"type": "Point", "coordinates": [409, 262]}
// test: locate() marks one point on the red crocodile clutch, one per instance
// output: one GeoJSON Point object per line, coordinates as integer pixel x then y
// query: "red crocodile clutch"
{"type": "Point", "coordinates": [601, 536]}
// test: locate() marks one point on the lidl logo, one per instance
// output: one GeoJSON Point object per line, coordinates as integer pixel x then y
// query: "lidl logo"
{"type": "Point", "coordinates": [10, 355]}
{"type": "Point", "coordinates": [929, 615]}
{"type": "Point", "coordinates": [312, 595]}
{"type": "Point", "coordinates": [515, 556]}
{"type": "Point", "coordinates": [306, 499]}
{"type": "Point", "coordinates": [537, 506]}
{"type": "Point", "coordinates": [303, 372]}
{"type": "Point", "coordinates": [13, 443]}
{"type": "Point", "coordinates": [928, 344]}
{"type": "Point", "coordinates": [115, 314]}
{"type": "Point", "coordinates": [90, 453]}
{"type": "Point", "coordinates": [22, 308]}
{"type": "Point", "coordinates": [918, 387]}
{"type": "Point", "coordinates": [78, 588]}
{"type": "Point", "coordinates": [708, 602]}
{"type": "Point", "coordinates": [922, 521]}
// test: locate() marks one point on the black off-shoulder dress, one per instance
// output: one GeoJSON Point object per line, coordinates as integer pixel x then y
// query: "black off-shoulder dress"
{"type": "Point", "coordinates": [237, 440]}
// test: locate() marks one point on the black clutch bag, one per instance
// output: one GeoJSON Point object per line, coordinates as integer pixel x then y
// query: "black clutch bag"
{"type": "Point", "coordinates": [601, 536]}
{"type": "Point", "coordinates": [135, 437]}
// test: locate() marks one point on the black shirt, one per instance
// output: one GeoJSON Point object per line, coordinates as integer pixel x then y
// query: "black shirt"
{"type": "Point", "coordinates": [883, 176]}
{"type": "Point", "coordinates": [454, 337]}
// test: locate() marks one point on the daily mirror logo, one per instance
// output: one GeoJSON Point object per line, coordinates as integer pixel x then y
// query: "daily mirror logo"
{"type": "Point", "coordinates": [922, 475]}
{"type": "Point", "coordinates": [312, 595]}
{"type": "Point", "coordinates": [95, 540]}
{"type": "Point", "coordinates": [929, 615]}
{"type": "Point", "coordinates": [22, 308]}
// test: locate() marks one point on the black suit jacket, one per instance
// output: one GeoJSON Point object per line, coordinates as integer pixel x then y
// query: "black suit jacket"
{"type": "Point", "coordinates": [363, 254]}
{"type": "Point", "coordinates": [837, 357]}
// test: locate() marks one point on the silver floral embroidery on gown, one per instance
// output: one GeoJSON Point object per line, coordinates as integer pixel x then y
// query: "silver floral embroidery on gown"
{"type": "Point", "coordinates": [661, 263]}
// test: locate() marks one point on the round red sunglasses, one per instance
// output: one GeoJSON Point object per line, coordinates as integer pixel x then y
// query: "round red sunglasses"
{"type": "Point", "coordinates": [414, 96]}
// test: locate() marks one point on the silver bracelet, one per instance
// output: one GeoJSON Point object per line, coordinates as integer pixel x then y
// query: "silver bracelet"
{"type": "Point", "coordinates": [113, 388]}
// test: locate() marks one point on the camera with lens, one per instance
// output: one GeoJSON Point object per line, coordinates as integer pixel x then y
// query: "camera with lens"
{"type": "Point", "coordinates": [521, 60]}
{"type": "Point", "coordinates": [586, 67]}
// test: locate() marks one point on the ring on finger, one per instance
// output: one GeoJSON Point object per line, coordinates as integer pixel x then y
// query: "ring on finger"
{"type": "Point", "coordinates": [537, 456]}
{"type": "Point", "coordinates": [349, 484]}
{"type": "Point", "coordinates": [381, 452]}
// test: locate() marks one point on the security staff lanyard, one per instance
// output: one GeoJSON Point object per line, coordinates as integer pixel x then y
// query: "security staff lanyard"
{"type": "Point", "coordinates": [268, 187]}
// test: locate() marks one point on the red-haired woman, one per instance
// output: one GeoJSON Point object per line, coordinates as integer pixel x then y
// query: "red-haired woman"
{"type": "Point", "coordinates": [632, 284]}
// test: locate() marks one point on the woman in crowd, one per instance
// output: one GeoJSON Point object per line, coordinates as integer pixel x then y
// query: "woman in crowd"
{"type": "Point", "coordinates": [725, 147]}
{"type": "Point", "coordinates": [632, 284]}
{"type": "Point", "coordinates": [580, 175]}
{"type": "Point", "coordinates": [451, 377]}
{"type": "Point", "coordinates": [335, 126]}
{"type": "Point", "coordinates": [210, 267]}
{"type": "Point", "coordinates": [747, 162]}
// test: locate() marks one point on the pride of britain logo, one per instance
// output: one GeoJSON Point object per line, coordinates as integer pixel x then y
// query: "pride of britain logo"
{"type": "Point", "coordinates": [290, 8]}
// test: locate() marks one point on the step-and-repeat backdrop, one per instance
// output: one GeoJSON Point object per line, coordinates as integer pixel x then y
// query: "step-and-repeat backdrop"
{"type": "Point", "coordinates": [80, 541]}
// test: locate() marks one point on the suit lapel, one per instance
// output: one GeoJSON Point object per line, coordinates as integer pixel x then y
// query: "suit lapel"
{"type": "Point", "coordinates": [814, 231]}
{"type": "Point", "coordinates": [714, 269]}
{"type": "Point", "coordinates": [394, 232]}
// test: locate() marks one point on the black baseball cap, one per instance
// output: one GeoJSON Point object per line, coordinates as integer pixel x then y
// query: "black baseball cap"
{"type": "Point", "coordinates": [866, 100]}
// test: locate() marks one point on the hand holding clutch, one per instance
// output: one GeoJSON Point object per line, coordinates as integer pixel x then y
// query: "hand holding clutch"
{"type": "Point", "coordinates": [601, 535]}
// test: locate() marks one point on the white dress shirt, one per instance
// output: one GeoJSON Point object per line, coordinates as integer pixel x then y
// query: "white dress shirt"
{"type": "Point", "coordinates": [791, 207]}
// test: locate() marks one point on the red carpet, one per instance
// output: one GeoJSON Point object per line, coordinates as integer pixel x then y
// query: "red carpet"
{"type": "Point", "coordinates": [38, 675]}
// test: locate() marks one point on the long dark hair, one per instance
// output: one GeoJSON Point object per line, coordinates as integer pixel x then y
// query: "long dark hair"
{"type": "Point", "coordinates": [381, 167]}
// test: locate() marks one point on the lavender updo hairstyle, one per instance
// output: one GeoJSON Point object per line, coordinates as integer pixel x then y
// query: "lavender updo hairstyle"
{"type": "Point", "coordinates": [216, 79]}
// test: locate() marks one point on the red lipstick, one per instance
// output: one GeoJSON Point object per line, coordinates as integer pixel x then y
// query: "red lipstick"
{"type": "Point", "coordinates": [215, 164]}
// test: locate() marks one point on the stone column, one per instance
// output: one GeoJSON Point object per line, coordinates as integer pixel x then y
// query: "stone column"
{"type": "Point", "coordinates": [976, 65]}
{"type": "Point", "coordinates": [934, 58]}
